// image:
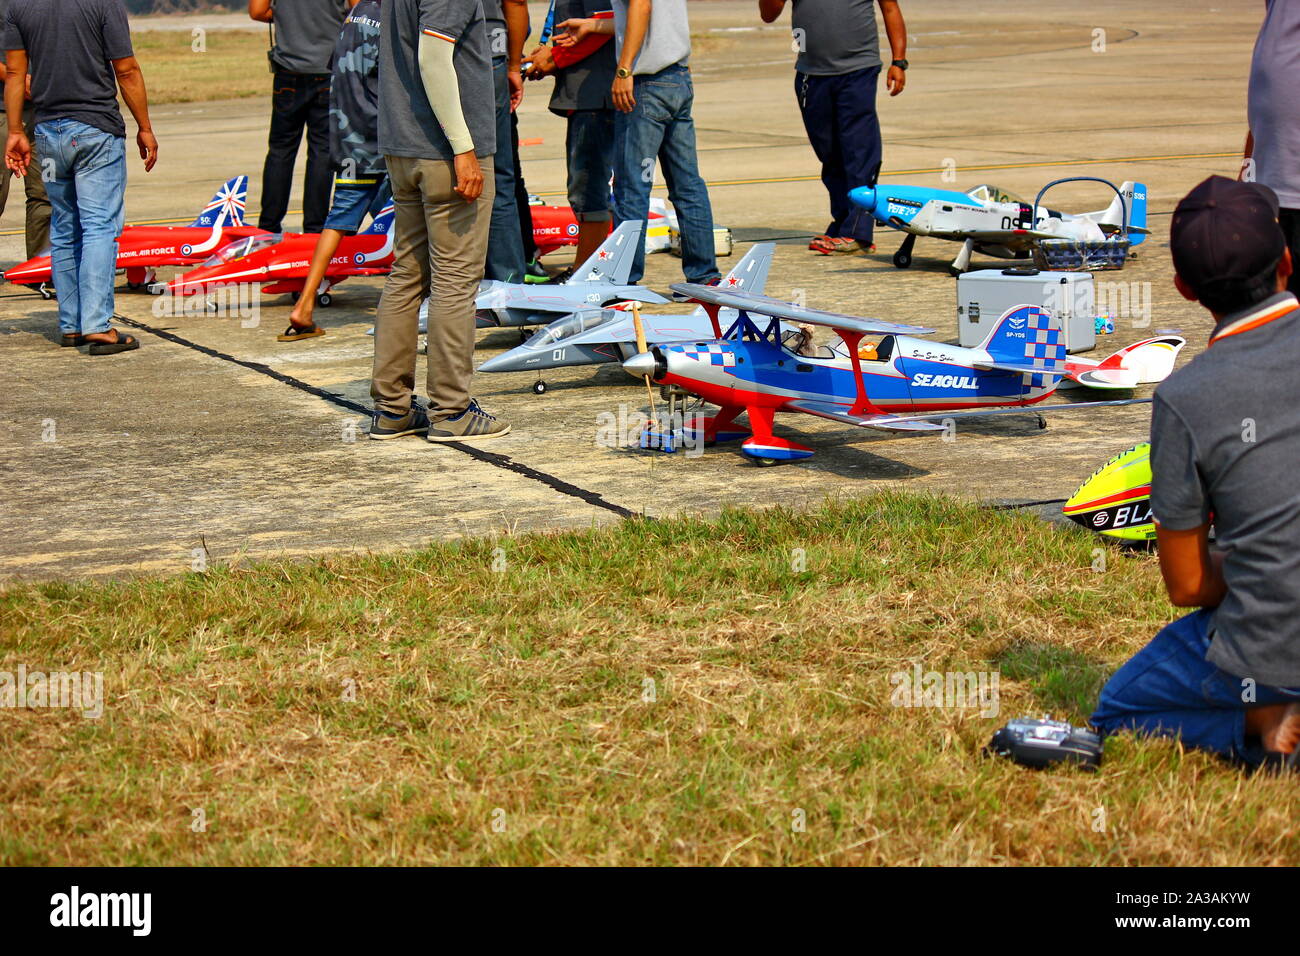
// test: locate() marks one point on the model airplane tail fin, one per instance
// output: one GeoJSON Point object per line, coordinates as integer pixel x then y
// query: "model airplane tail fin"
{"type": "Point", "coordinates": [1133, 200]}
{"type": "Point", "coordinates": [612, 262]}
{"type": "Point", "coordinates": [1142, 363]}
{"type": "Point", "coordinates": [1028, 337]}
{"type": "Point", "coordinates": [226, 208]}
{"type": "Point", "coordinates": [382, 224]}
{"type": "Point", "coordinates": [750, 273]}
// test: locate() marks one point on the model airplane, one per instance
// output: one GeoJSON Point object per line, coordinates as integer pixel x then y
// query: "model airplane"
{"type": "Point", "coordinates": [600, 281]}
{"type": "Point", "coordinates": [280, 262]}
{"type": "Point", "coordinates": [607, 335]}
{"type": "Point", "coordinates": [141, 250]}
{"type": "Point", "coordinates": [990, 220]}
{"type": "Point", "coordinates": [893, 382]}
{"type": "Point", "coordinates": [1116, 499]}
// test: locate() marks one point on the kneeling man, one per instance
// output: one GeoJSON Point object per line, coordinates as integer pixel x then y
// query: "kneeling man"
{"type": "Point", "coordinates": [1225, 449]}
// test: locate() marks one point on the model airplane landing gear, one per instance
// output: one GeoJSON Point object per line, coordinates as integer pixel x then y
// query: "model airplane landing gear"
{"type": "Point", "coordinates": [713, 428]}
{"type": "Point", "coordinates": [138, 278]}
{"type": "Point", "coordinates": [324, 300]}
{"type": "Point", "coordinates": [764, 447]}
{"type": "Point", "coordinates": [962, 262]}
{"type": "Point", "coordinates": [903, 257]}
{"type": "Point", "coordinates": [539, 387]}
{"type": "Point", "coordinates": [1042, 422]}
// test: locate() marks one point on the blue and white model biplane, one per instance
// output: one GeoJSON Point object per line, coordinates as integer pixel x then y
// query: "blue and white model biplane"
{"type": "Point", "coordinates": [879, 375]}
{"type": "Point", "coordinates": [608, 335]}
{"type": "Point", "coordinates": [992, 221]}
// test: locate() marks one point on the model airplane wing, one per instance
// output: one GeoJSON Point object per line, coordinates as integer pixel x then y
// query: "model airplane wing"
{"type": "Point", "coordinates": [766, 305]}
{"type": "Point", "coordinates": [934, 421]}
{"type": "Point", "coordinates": [1023, 368]}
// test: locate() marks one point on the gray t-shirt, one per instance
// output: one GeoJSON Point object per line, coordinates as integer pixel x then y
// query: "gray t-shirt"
{"type": "Point", "coordinates": [495, 18]}
{"type": "Point", "coordinates": [305, 32]}
{"type": "Point", "coordinates": [1225, 441]}
{"type": "Point", "coordinates": [407, 124]}
{"type": "Point", "coordinates": [584, 85]}
{"type": "Point", "coordinates": [1273, 106]}
{"type": "Point", "coordinates": [835, 36]}
{"type": "Point", "coordinates": [70, 47]}
{"type": "Point", "coordinates": [667, 41]}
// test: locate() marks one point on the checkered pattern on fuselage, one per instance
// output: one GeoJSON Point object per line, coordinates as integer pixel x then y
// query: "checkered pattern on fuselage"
{"type": "Point", "coordinates": [1043, 346]}
{"type": "Point", "coordinates": [712, 352]}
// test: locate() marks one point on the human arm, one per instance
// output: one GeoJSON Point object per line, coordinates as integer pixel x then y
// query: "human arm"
{"type": "Point", "coordinates": [634, 34]}
{"type": "Point", "coordinates": [896, 30]}
{"type": "Point", "coordinates": [260, 10]}
{"type": "Point", "coordinates": [516, 14]}
{"type": "Point", "coordinates": [441, 86]}
{"type": "Point", "coordinates": [769, 10]}
{"type": "Point", "coordinates": [18, 149]}
{"type": "Point", "coordinates": [130, 81]}
{"type": "Point", "coordinates": [1193, 573]}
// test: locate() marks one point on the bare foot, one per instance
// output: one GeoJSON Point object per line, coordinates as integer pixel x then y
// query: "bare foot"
{"type": "Point", "coordinates": [301, 315]}
{"type": "Point", "coordinates": [1277, 725]}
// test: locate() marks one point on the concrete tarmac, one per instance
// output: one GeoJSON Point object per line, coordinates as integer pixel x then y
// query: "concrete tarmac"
{"type": "Point", "coordinates": [213, 442]}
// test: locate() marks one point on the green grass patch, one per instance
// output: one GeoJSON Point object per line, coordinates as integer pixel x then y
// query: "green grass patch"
{"type": "Point", "coordinates": [681, 691]}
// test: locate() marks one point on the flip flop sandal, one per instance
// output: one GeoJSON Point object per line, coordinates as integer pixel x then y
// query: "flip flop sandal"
{"type": "Point", "coordinates": [124, 343]}
{"type": "Point", "coordinates": [72, 340]}
{"type": "Point", "coordinates": [820, 244]}
{"type": "Point", "coordinates": [844, 246]}
{"type": "Point", "coordinates": [295, 332]}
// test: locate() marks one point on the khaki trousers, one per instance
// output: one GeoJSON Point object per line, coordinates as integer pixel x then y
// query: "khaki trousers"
{"type": "Point", "coordinates": [439, 248]}
{"type": "Point", "coordinates": [38, 204]}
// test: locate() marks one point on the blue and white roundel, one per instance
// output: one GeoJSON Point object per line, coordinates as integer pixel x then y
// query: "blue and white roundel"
{"type": "Point", "coordinates": [187, 250]}
{"type": "Point", "coordinates": [359, 258]}
{"type": "Point", "coordinates": [571, 229]}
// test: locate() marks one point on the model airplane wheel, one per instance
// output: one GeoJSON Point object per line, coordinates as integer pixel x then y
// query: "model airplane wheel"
{"type": "Point", "coordinates": [325, 300]}
{"type": "Point", "coordinates": [902, 260]}
{"type": "Point", "coordinates": [46, 292]}
{"type": "Point", "coordinates": [294, 296]}
{"type": "Point", "coordinates": [539, 388]}
{"type": "Point", "coordinates": [1042, 422]}
{"type": "Point", "coordinates": [766, 462]}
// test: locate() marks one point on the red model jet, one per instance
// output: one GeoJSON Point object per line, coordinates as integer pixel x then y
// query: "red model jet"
{"type": "Point", "coordinates": [142, 249]}
{"type": "Point", "coordinates": [280, 262]}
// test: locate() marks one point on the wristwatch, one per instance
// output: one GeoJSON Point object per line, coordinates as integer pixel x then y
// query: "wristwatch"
{"type": "Point", "coordinates": [901, 64]}
{"type": "Point", "coordinates": [623, 73]}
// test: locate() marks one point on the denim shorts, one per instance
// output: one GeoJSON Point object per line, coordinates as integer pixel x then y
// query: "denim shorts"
{"type": "Point", "coordinates": [590, 145]}
{"type": "Point", "coordinates": [351, 203]}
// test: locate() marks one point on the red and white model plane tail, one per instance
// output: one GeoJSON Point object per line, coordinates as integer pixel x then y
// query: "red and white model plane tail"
{"type": "Point", "coordinates": [1142, 363]}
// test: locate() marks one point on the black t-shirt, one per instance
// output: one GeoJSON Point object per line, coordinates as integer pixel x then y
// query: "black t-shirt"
{"type": "Point", "coordinates": [70, 47]}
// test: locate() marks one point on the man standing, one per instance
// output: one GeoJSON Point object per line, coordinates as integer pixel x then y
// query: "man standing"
{"type": "Point", "coordinates": [437, 133]}
{"type": "Point", "coordinates": [1224, 445]}
{"type": "Point", "coordinates": [507, 28]}
{"type": "Point", "coordinates": [1272, 154]}
{"type": "Point", "coordinates": [38, 203]}
{"type": "Point", "coordinates": [835, 83]}
{"type": "Point", "coordinates": [305, 32]}
{"type": "Point", "coordinates": [653, 94]}
{"type": "Point", "coordinates": [584, 75]}
{"type": "Point", "coordinates": [80, 57]}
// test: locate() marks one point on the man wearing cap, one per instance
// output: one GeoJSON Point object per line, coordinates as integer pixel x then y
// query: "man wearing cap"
{"type": "Point", "coordinates": [1225, 442]}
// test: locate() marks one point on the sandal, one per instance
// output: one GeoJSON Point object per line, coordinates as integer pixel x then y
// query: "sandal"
{"type": "Point", "coordinates": [295, 332]}
{"type": "Point", "coordinates": [72, 340]}
{"type": "Point", "coordinates": [832, 245]}
{"type": "Point", "coordinates": [123, 343]}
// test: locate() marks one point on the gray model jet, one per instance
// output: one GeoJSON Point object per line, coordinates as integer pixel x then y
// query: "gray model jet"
{"type": "Point", "coordinates": [595, 336]}
{"type": "Point", "coordinates": [600, 281]}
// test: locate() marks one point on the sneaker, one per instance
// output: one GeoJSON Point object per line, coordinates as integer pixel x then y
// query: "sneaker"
{"type": "Point", "coordinates": [412, 423]}
{"type": "Point", "coordinates": [534, 273]}
{"type": "Point", "coordinates": [561, 277]}
{"type": "Point", "coordinates": [473, 422]}
{"type": "Point", "coordinates": [715, 281]}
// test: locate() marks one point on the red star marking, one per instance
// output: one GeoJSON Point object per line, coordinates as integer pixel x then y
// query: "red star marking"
{"type": "Point", "coordinates": [732, 280]}
{"type": "Point", "coordinates": [602, 254]}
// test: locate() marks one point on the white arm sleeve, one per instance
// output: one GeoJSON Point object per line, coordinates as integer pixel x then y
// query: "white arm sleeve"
{"type": "Point", "coordinates": [443, 90]}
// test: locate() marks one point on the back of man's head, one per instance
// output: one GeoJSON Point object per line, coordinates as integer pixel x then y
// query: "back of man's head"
{"type": "Point", "coordinates": [1227, 244]}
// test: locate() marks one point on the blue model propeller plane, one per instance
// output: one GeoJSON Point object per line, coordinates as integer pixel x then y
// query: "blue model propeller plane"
{"type": "Point", "coordinates": [894, 381]}
{"type": "Point", "coordinates": [600, 281]}
{"type": "Point", "coordinates": [608, 335]}
{"type": "Point", "coordinates": [990, 220]}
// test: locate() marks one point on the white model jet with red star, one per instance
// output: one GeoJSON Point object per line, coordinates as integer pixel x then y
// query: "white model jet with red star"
{"type": "Point", "coordinates": [600, 281]}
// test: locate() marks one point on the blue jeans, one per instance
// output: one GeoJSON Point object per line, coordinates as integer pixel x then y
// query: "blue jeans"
{"type": "Point", "coordinates": [589, 144]}
{"type": "Point", "coordinates": [505, 255]}
{"type": "Point", "coordinates": [660, 127]}
{"type": "Point", "coordinates": [839, 114]}
{"type": "Point", "coordinates": [1169, 689]}
{"type": "Point", "coordinates": [86, 179]}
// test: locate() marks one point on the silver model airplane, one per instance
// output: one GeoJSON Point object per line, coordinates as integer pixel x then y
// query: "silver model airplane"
{"type": "Point", "coordinates": [600, 281]}
{"type": "Point", "coordinates": [596, 336]}
{"type": "Point", "coordinates": [992, 221]}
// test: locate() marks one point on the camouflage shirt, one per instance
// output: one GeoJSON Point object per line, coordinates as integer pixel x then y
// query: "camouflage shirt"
{"type": "Point", "coordinates": [354, 97]}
